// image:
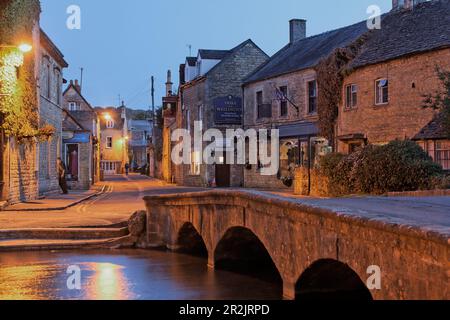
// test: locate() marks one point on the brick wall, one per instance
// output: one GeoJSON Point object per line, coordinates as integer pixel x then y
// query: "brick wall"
{"type": "Point", "coordinates": [409, 78]}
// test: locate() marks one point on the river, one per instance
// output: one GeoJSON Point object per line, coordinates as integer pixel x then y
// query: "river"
{"type": "Point", "coordinates": [123, 275]}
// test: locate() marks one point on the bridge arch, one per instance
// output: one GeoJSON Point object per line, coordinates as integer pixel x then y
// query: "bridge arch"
{"type": "Point", "coordinates": [329, 279]}
{"type": "Point", "coordinates": [190, 241]}
{"type": "Point", "coordinates": [241, 250]}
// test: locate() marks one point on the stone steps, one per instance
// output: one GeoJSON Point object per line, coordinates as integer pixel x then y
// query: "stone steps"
{"type": "Point", "coordinates": [63, 233]}
{"type": "Point", "coordinates": [64, 244]}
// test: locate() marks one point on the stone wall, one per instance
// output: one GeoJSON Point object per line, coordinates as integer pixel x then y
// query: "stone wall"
{"type": "Point", "coordinates": [223, 80]}
{"type": "Point", "coordinates": [23, 172]}
{"type": "Point", "coordinates": [413, 262]}
{"type": "Point", "coordinates": [311, 183]}
{"type": "Point", "coordinates": [296, 83]}
{"type": "Point", "coordinates": [403, 117]}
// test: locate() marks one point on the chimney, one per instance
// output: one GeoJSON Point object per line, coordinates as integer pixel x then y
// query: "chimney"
{"type": "Point", "coordinates": [169, 84]}
{"type": "Point", "coordinates": [77, 86]}
{"type": "Point", "coordinates": [123, 110]}
{"type": "Point", "coordinates": [405, 4]}
{"type": "Point", "coordinates": [297, 30]}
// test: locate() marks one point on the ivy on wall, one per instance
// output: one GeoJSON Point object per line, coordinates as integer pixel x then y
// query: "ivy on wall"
{"type": "Point", "coordinates": [330, 77]}
{"type": "Point", "coordinates": [18, 87]}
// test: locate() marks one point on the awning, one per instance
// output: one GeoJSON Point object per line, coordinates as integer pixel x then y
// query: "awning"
{"type": "Point", "coordinates": [79, 137]}
{"type": "Point", "coordinates": [304, 129]}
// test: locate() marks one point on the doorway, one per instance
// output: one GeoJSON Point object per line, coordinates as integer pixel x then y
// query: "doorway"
{"type": "Point", "coordinates": [72, 161]}
{"type": "Point", "coordinates": [223, 172]}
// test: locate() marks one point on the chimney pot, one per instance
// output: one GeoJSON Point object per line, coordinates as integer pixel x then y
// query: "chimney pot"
{"type": "Point", "coordinates": [297, 30]}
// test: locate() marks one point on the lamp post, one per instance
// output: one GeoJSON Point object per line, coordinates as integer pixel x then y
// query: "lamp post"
{"type": "Point", "coordinates": [23, 47]}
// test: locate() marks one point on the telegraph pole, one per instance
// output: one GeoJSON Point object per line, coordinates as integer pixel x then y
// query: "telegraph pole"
{"type": "Point", "coordinates": [153, 102]}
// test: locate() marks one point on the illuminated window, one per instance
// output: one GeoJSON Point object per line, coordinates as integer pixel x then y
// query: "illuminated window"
{"type": "Point", "coordinates": [195, 163]}
{"type": "Point", "coordinates": [109, 124]}
{"type": "Point", "coordinates": [109, 142]}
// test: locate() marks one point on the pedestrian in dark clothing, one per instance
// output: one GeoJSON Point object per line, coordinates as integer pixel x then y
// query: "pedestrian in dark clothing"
{"type": "Point", "coordinates": [127, 169]}
{"type": "Point", "coordinates": [62, 176]}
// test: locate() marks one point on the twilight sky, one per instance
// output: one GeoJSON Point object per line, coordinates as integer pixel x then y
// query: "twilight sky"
{"type": "Point", "coordinates": [121, 43]}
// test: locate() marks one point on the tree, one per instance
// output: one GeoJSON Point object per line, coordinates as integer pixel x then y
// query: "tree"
{"type": "Point", "coordinates": [440, 99]}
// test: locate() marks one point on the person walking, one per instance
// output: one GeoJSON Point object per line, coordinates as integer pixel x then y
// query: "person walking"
{"type": "Point", "coordinates": [62, 176]}
{"type": "Point", "coordinates": [127, 168]}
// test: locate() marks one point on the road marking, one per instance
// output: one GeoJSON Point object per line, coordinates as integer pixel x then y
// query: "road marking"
{"type": "Point", "coordinates": [107, 190]}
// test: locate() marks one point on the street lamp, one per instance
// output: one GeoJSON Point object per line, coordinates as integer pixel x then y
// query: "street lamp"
{"type": "Point", "coordinates": [107, 116]}
{"type": "Point", "coordinates": [23, 47]}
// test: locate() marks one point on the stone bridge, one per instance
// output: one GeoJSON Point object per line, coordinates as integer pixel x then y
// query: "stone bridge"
{"type": "Point", "coordinates": [309, 250]}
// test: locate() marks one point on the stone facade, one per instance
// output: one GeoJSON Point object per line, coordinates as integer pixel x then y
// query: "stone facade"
{"type": "Point", "coordinates": [113, 139]}
{"type": "Point", "coordinates": [50, 112]}
{"type": "Point", "coordinates": [81, 129]}
{"type": "Point", "coordinates": [223, 80]}
{"type": "Point", "coordinates": [296, 84]}
{"type": "Point", "coordinates": [403, 116]}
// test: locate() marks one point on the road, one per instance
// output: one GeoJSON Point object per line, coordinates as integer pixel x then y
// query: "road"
{"type": "Point", "coordinates": [123, 196]}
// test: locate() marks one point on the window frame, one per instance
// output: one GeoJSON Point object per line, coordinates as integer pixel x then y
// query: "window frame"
{"type": "Point", "coordinates": [109, 142]}
{"type": "Point", "coordinates": [309, 97]}
{"type": "Point", "coordinates": [110, 124]}
{"type": "Point", "coordinates": [259, 96]}
{"type": "Point", "coordinates": [351, 96]}
{"type": "Point", "coordinates": [284, 104]}
{"type": "Point", "coordinates": [379, 92]}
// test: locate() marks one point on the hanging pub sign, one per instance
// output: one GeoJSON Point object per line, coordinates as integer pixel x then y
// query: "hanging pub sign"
{"type": "Point", "coordinates": [228, 110]}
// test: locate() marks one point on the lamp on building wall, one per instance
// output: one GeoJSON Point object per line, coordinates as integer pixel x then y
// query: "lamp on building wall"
{"type": "Point", "coordinates": [23, 47]}
{"type": "Point", "coordinates": [107, 116]}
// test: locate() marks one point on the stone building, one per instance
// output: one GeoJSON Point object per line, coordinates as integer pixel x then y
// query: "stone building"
{"type": "Point", "coordinates": [81, 136]}
{"type": "Point", "coordinates": [383, 95]}
{"type": "Point", "coordinates": [282, 95]}
{"type": "Point", "coordinates": [170, 101]}
{"type": "Point", "coordinates": [140, 133]}
{"type": "Point", "coordinates": [52, 64]}
{"type": "Point", "coordinates": [113, 139]}
{"type": "Point", "coordinates": [218, 77]}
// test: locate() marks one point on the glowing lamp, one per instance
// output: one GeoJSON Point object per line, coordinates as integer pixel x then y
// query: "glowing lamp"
{"type": "Point", "coordinates": [25, 47]}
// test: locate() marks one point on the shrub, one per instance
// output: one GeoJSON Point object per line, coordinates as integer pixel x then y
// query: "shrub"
{"type": "Point", "coordinates": [397, 166]}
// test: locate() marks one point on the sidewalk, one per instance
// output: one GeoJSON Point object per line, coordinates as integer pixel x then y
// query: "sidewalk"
{"type": "Point", "coordinates": [56, 201]}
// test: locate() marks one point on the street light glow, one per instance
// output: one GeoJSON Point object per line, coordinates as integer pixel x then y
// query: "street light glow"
{"type": "Point", "coordinates": [25, 47]}
{"type": "Point", "coordinates": [107, 116]}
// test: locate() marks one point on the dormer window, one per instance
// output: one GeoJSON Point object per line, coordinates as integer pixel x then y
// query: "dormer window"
{"type": "Point", "coordinates": [74, 106]}
{"type": "Point", "coordinates": [109, 124]}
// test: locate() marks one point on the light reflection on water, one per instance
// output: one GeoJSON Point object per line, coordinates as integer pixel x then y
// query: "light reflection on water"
{"type": "Point", "coordinates": [123, 275]}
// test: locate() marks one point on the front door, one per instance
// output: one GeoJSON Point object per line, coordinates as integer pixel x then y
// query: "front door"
{"type": "Point", "coordinates": [109, 167]}
{"type": "Point", "coordinates": [223, 170]}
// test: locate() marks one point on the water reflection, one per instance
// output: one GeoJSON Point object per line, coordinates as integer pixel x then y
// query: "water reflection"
{"type": "Point", "coordinates": [123, 275]}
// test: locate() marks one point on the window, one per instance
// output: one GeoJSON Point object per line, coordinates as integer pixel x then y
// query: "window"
{"type": "Point", "coordinates": [188, 121]}
{"type": "Point", "coordinates": [110, 124]}
{"type": "Point", "coordinates": [351, 96]}
{"type": "Point", "coordinates": [382, 91]}
{"type": "Point", "coordinates": [259, 102]}
{"type": "Point", "coordinates": [283, 101]}
{"type": "Point", "coordinates": [74, 106]}
{"type": "Point", "coordinates": [443, 154]}
{"type": "Point", "coordinates": [49, 81]}
{"type": "Point", "coordinates": [195, 163]}
{"type": "Point", "coordinates": [312, 96]}
{"type": "Point", "coordinates": [109, 142]}
{"type": "Point", "coordinates": [58, 87]}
